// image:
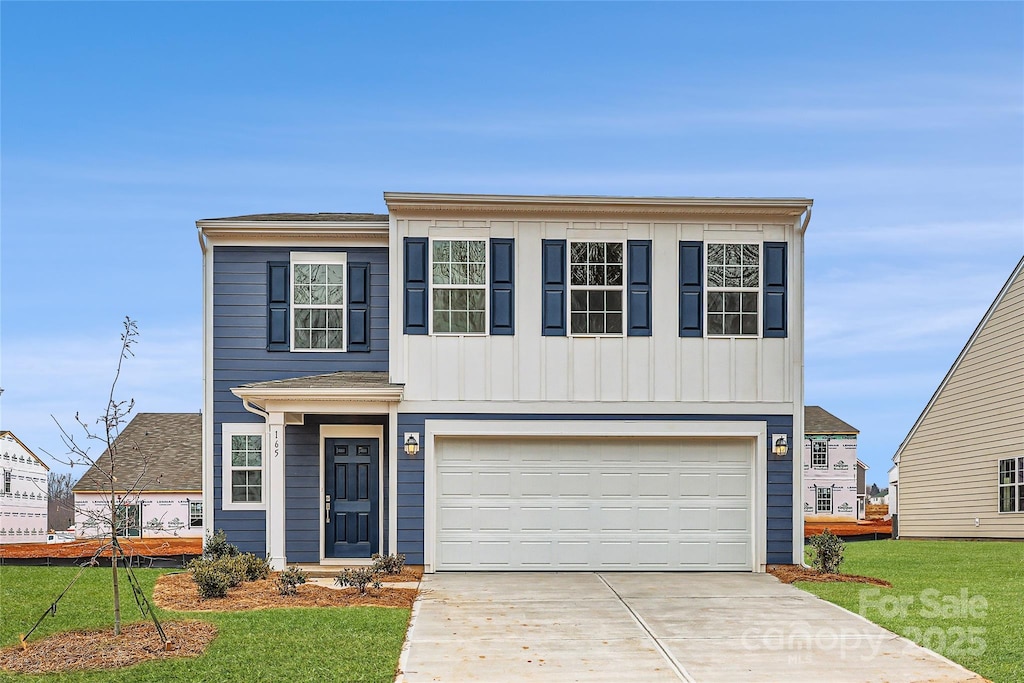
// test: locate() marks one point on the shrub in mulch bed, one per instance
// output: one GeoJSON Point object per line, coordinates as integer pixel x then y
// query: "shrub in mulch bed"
{"type": "Point", "coordinates": [788, 573]}
{"type": "Point", "coordinates": [101, 649]}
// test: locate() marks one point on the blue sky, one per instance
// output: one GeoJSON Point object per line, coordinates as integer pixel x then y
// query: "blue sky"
{"type": "Point", "coordinates": [122, 124]}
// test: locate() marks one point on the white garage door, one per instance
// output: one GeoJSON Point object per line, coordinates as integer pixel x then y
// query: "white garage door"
{"type": "Point", "coordinates": [608, 503]}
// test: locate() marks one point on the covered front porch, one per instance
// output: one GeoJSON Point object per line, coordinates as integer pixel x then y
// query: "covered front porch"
{"type": "Point", "coordinates": [330, 470]}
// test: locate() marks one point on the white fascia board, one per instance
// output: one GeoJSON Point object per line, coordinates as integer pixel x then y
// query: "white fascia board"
{"type": "Point", "coordinates": [285, 395]}
{"type": "Point", "coordinates": [290, 233]}
{"type": "Point", "coordinates": [612, 408]}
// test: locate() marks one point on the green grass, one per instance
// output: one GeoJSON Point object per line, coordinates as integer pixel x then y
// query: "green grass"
{"type": "Point", "coordinates": [303, 644]}
{"type": "Point", "coordinates": [962, 599]}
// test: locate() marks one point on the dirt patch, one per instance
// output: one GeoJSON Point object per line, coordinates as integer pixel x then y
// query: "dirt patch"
{"type": "Point", "coordinates": [145, 547]}
{"type": "Point", "coordinates": [788, 573]}
{"type": "Point", "coordinates": [861, 528]}
{"type": "Point", "coordinates": [81, 650]}
{"type": "Point", "coordinates": [178, 592]}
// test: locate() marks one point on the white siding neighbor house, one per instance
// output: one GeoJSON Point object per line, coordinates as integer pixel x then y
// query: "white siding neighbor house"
{"type": "Point", "coordinates": [159, 475]}
{"type": "Point", "coordinates": [834, 479]}
{"type": "Point", "coordinates": [960, 471]}
{"type": "Point", "coordinates": [23, 493]}
{"type": "Point", "coordinates": [508, 382]}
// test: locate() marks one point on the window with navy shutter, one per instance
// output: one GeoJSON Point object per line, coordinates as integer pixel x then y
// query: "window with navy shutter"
{"type": "Point", "coordinates": [416, 284]}
{"type": "Point", "coordinates": [503, 286]}
{"type": "Point", "coordinates": [775, 323]}
{"type": "Point", "coordinates": [358, 307]}
{"type": "Point", "coordinates": [691, 279]}
{"type": "Point", "coordinates": [277, 306]}
{"type": "Point", "coordinates": [638, 306]}
{"type": "Point", "coordinates": [553, 288]}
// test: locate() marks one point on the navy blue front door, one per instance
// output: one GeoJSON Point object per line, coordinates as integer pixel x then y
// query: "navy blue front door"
{"type": "Point", "coordinates": [351, 499]}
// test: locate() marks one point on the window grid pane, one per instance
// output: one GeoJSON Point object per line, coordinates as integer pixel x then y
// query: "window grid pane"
{"type": "Point", "coordinates": [318, 296]}
{"type": "Point", "coordinates": [595, 297]}
{"type": "Point", "coordinates": [733, 281]}
{"type": "Point", "coordinates": [460, 305]}
{"type": "Point", "coordinates": [1011, 485]}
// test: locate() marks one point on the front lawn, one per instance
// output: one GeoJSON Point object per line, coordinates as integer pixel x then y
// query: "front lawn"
{"type": "Point", "coordinates": [302, 644]}
{"type": "Point", "coordinates": [963, 599]}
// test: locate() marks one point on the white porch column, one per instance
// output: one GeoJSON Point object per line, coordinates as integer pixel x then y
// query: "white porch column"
{"type": "Point", "coordinates": [274, 486]}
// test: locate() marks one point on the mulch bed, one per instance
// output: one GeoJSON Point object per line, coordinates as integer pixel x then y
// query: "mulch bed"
{"type": "Point", "coordinates": [788, 573]}
{"type": "Point", "coordinates": [410, 573]}
{"type": "Point", "coordinates": [178, 592]}
{"type": "Point", "coordinates": [82, 650]}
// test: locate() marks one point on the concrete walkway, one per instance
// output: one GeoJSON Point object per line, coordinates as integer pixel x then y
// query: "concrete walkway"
{"type": "Point", "coordinates": [649, 627]}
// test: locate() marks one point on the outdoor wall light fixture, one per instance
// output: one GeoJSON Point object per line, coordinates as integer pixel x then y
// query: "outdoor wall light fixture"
{"type": "Point", "coordinates": [780, 445]}
{"type": "Point", "coordinates": [412, 443]}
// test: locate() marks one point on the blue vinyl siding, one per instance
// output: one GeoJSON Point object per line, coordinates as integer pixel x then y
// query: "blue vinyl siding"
{"type": "Point", "coordinates": [779, 476]}
{"type": "Point", "coordinates": [240, 354]}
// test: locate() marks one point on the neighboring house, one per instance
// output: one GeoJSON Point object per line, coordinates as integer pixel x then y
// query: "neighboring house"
{"type": "Point", "coordinates": [23, 492]}
{"type": "Point", "coordinates": [488, 382]}
{"type": "Point", "coordinates": [159, 480]}
{"type": "Point", "coordinates": [960, 471]}
{"type": "Point", "coordinates": [834, 479]}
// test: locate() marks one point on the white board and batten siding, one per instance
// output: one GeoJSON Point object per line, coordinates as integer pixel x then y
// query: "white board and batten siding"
{"type": "Point", "coordinates": [663, 368]}
{"type": "Point", "coordinates": [948, 467]}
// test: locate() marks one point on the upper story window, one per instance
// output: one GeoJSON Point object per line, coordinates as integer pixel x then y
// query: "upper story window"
{"type": "Point", "coordinates": [819, 454]}
{"type": "Point", "coordinates": [318, 301]}
{"type": "Point", "coordinates": [733, 282]}
{"type": "Point", "coordinates": [459, 291]}
{"type": "Point", "coordinates": [242, 460]}
{"type": "Point", "coordinates": [595, 288]}
{"type": "Point", "coordinates": [1011, 485]}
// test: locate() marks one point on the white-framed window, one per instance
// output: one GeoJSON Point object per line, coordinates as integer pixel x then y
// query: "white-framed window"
{"type": "Point", "coordinates": [458, 292]}
{"type": "Point", "coordinates": [819, 454]}
{"type": "Point", "coordinates": [1011, 485]}
{"type": "Point", "coordinates": [596, 288]}
{"type": "Point", "coordinates": [318, 301]}
{"type": "Point", "coordinates": [242, 460]}
{"type": "Point", "coordinates": [129, 520]}
{"type": "Point", "coordinates": [733, 289]}
{"type": "Point", "coordinates": [195, 514]}
{"type": "Point", "coordinates": [823, 500]}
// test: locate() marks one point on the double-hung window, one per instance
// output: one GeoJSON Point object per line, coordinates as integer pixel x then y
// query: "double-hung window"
{"type": "Point", "coordinates": [242, 460]}
{"type": "Point", "coordinates": [595, 288]}
{"type": "Point", "coordinates": [819, 454]}
{"type": "Point", "coordinates": [459, 286]}
{"type": "Point", "coordinates": [824, 500]}
{"type": "Point", "coordinates": [195, 513]}
{"type": "Point", "coordinates": [1011, 485]}
{"type": "Point", "coordinates": [318, 301]}
{"type": "Point", "coordinates": [733, 289]}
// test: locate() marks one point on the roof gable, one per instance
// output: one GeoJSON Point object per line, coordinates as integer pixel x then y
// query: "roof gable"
{"type": "Point", "coordinates": [28, 450]}
{"type": "Point", "coordinates": [817, 420]}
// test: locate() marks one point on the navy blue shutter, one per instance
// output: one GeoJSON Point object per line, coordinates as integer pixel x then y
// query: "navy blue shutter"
{"type": "Point", "coordinates": [775, 289]}
{"type": "Point", "coordinates": [503, 299]}
{"type": "Point", "coordinates": [638, 274]}
{"type": "Point", "coordinates": [691, 289]}
{"type": "Point", "coordinates": [358, 307]}
{"type": "Point", "coordinates": [277, 306]}
{"type": "Point", "coordinates": [553, 285]}
{"type": "Point", "coordinates": [416, 284]}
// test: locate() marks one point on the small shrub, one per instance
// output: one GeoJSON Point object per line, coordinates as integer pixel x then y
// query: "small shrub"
{"type": "Point", "coordinates": [289, 580]}
{"type": "Point", "coordinates": [255, 568]}
{"type": "Point", "coordinates": [210, 578]}
{"type": "Point", "coordinates": [827, 552]}
{"type": "Point", "coordinates": [388, 564]}
{"type": "Point", "coordinates": [216, 546]}
{"type": "Point", "coordinates": [361, 579]}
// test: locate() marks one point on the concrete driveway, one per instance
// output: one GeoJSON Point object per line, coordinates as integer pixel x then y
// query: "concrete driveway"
{"type": "Point", "coordinates": [649, 627]}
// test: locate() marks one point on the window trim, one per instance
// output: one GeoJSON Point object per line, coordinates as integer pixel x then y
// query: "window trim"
{"type": "Point", "coordinates": [824, 465]}
{"type": "Point", "coordinates": [818, 490]}
{"type": "Point", "coordinates": [1017, 487]}
{"type": "Point", "coordinates": [228, 430]}
{"type": "Point", "coordinates": [569, 287]}
{"type": "Point", "coordinates": [329, 258]}
{"type": "Point", "coordinates": [485, 286]}
{"type": "Point", "coordinates": [708, 289]}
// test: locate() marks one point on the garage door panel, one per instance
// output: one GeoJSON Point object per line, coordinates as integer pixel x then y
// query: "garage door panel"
{"type": "Point", "coordinates": [590, 505]}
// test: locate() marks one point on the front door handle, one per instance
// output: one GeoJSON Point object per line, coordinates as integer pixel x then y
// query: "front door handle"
{"type": "Point", "coordinates": [327, 506]}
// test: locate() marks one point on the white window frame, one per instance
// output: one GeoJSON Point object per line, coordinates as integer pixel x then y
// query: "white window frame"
{"type": "Point", "coordinates": [1015, 487]}
{"type": "Point", "coordinates": [758, 291]}
{"type": "Point", "coordinates": [814, 464]}
{"type": "Point", "coordinates": [818, 499]}
{"type": "Point", "coordinates": [485, 286]}
{"type": "Point", "coordinates": [191, 517]}
{"type": "Point", "coordinates": [327, 258]}
{"type": "Point", "coordinates": [621, 287]}
{"type": "Point", "coordinates": [229, 430]}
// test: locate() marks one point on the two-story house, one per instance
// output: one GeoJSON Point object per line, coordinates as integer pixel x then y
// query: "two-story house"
{"type": "Point", "coordinates": [24, 489]}
{"type": "Point", "coordinates": [835, 487]}
{"type": "Point", "coordinates": [508, 382]}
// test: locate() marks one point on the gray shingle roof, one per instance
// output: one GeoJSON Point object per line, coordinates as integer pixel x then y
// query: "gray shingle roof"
{"type": "Point", "coordinates": [334, 380]}
{"type": "Point", "coordinates": [308, 217]}
{"type": "Point", "coordinates": [165, 449]}
{"type": "Point", "coordinates": [820, 421]}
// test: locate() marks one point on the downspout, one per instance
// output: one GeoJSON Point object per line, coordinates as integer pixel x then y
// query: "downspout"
{"type": "Point", "coordinates": [799, 421]}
